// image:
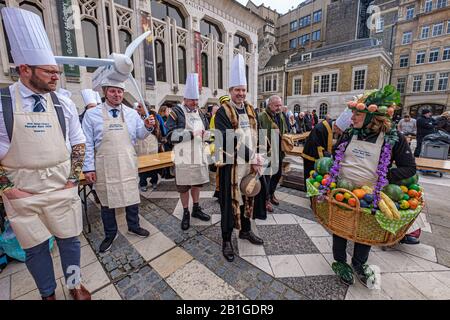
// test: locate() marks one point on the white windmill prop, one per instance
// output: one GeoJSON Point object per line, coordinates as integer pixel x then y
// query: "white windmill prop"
{"type": "Point", "coordinates": [116, 67]}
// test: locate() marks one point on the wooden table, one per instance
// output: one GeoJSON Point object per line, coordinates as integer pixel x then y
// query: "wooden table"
{"type": "Point", "coordinates": [296, 151]}
{"type": "Point", "coordinates": [145, 163]}
{"type": "Point", "coordinates": [433, 164]}
{"type": "Point", "coordinates": [299, 136]}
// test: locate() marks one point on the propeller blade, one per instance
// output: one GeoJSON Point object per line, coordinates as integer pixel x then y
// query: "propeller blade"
{"type": "Point", "coordinates": [133, 45]}
{"type": "Point", "coordinates": [85, 62]}
{"type": "Point", "coordinates": [134, 83]}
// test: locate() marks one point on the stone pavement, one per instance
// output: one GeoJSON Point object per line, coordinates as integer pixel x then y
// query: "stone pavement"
{"type": "Point", "coordinates": [294, 262]}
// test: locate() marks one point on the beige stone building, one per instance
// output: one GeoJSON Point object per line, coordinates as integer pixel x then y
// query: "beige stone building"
{"type": "Point", "coordinates": [422, 55]}
{"type": "Point", "coordinates": [326, 79]}
{"type": "Point", "coordinates": [223, 29]}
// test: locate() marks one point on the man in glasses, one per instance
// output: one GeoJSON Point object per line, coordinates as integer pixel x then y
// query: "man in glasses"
{"type": "Point", "coordinates": [41, 160]}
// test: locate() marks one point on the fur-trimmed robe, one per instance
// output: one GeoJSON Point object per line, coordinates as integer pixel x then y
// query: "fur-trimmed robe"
{"type": "Point", "coordinates": [228, 119]}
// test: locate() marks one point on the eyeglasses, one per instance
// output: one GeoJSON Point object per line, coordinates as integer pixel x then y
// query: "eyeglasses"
{"type": "Point", "coordinates": [49, 72]}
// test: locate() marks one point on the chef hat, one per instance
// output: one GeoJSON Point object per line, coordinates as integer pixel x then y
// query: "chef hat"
{"type": "Point", "coordinates": [64, 92]}
{"type": "Point", "coordinates": [98, 98]}
{"type": "Point", "coordinates": [108, 82]}
{"type": "Point", "coordinates": [27, 37]}
{"type": "Point", "coordinates": [344, 121]}
{"type": "Point", "coordinates": [191, 90]}
{"type": "Point", "coordinates": [237, 72]}
{"type": "Point", "coordinates": [89, 96]}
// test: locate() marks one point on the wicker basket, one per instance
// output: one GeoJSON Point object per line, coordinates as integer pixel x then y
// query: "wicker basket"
{"type": "Point", "coordinates": [353, 224]}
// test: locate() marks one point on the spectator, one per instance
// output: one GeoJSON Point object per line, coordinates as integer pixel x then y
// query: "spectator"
{"type": "Point", "coordinates": [308, 121]}
{"type": "Point", "coordinates": [301, 123]}
{"type": "Point", "coordinates": [443, 122]}
{"type": "Point", "coordinates": [164, 112]}
{"type": "Point", "coordinates": [425, 125]}
{"type": "Point", "coordinates": [407, 125]}
{"type": "Point", "coordinates": [315, 118]}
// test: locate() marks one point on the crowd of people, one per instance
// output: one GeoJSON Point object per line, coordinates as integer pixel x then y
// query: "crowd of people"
{"type": "Point", "coordinates": [41, 161]}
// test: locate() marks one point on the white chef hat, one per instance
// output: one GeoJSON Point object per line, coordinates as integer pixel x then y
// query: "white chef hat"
{"type": "Point", "coordinates": [98, 98]}
{"type": "Point", "coordinates": [108, 82]}
{"type": "Point", "coordinates": [237, 72]}
{"type": "Point", "coordinates": [64, 92]}
{"type": "Point", "coordinates": [191, 90]}
{"type": "Point", "coordinates": [344, 121]}
{"type": "Point", "coordinates": [89, 96]}
{"type": "Point", "coordinates": [27, 37]}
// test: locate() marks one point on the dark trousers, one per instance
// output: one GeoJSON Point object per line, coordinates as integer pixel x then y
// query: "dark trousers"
{"type": "Point", "coordinates": [418, 147]}
{"type": "Point", "coordinates": [308, 166]}
{"type": "Point", "coordinates": [274, 180]}
{"type": "Point", "coordinates": [110, 223]}
{"type": "Point", "coordinates": [143, 176]}
{"type": "Point", "coordinates": [245, 226]}
{"type": "Point", "coordinates": [40, 264]}
{"type": "Point", "coordinates": [360, 252]}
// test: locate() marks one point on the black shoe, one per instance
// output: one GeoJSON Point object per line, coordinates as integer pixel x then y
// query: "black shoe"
{"type": "Point", "coordinates": [409, 240]}
{"type": "Point", "coordinates": [140, 232]}
{"type": "Point", "coordinates": [228, 251]}
{"type": "Point", "coordinates": [365, 275]}
{"type": "Point", "coordinates": [250, 236]}
{"type": "Point", "coordinates": [199, 214]}
{"type": "Point", "coordinates": [185, 222]}
{"type": "Point", "coordinates": [107, 243]}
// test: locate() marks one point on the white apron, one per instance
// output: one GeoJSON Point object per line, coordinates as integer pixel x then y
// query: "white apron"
{"type": "Point", "coordinates": [116, 164]}
{"type": "Point", "coordinates": [360, 162]}
{"type": "Point", "coordinates": [146, 146]}
{"type": "Point", "coordinates": [38, 162]}
{"type": "Point", "coordinates": [191, 157]}
{"type": "Point", "coordinates": [248, 137]}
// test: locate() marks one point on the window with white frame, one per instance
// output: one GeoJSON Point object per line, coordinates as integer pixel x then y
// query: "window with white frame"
{"type": "Point", "coordinates": [417, 83]}
{"type": "Point", "coordinates": [294, 25]}
{"type": "Point", "coordinates": [359, 79]}
{"type": "Point", "coordinates": [379, 25]}
{"type": "Point", "coordinates": [409, 12]}
{"type": "Point", "coordinates": [425, 33]}
{"type": "Point", "coordinates": [438, 29]}
{"type": "Point", "coordinates": [429, 82]}
{"type": "Point", "coordinates": [434, 55]}
{"type": "Point", "coordinates": [316, 35]}
{"type": "Point", "coordinates": [323, 110]}
{"type": "Point", "coordinates": [420, 57]}
{"type": "Point", "coordinates": [404, 60]}
{"type": "Point", "coordinates": [443, 81]}
{"type": "Point", "coordinates": [441, 4]}
{"type": "Point", "coordinates": [401, 84]}
{"type": "Point", "coordinates": [446, 54]}
{"type": "Point", "coordinates": [448, 27]}
{"type": "Point", "coordinates": [303, 40]}
{"type": "Point", "coordinates": [407, 36]}
{"type": "Point", "coordinates": [268, 84]}
{"type": "Point", "coordinates": [293, 43]}
{"type": "Point", "coordinates": [297, 86]}
{"type": "Point", "coordinates": [428, 5]}
{"type": "Point", "coordinates": [324, 83]}
{"type": "Point", "coordinates": [317, 16]}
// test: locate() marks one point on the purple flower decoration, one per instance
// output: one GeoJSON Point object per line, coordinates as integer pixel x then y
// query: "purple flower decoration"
{"type": "Point", "coordinates": [382, 170]}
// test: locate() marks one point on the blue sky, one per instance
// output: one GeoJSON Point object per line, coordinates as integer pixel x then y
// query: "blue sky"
{"type": "Point", "coordinates": [282, 6]}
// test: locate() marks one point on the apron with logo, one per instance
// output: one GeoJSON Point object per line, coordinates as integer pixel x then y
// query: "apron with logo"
{"type": "Point", "coordinates": [38, 162]}
{"type": "Point", "coordinates": [191, 157]}
{"type": "Point", "coordinates": [245, 136]}
{"type": "Point", "coordinates": [116, 164]}
{"type": "Point", "coordinates": [360, 162]}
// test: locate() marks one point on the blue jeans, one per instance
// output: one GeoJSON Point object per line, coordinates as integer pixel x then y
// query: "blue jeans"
{"type": "Point", "coordinates": [40, 264]}
{"type": "Point", "coordinates": [110, 223]}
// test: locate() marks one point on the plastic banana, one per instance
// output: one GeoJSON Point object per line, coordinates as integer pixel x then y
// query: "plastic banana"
{"type": "Point", "coordinates": [391, 205]}
{"type": "Point", "coordinates": [385, 209]}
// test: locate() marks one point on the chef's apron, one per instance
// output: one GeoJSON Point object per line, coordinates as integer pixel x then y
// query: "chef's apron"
{"type": "Point", "coordinates": [360, 162]}
{"type": "Point", "coordinates": [116, 164]}
{"type": "Point", "coordinates": [38, 162]}
{"type": "Point", "coordinates": [147, 146]}
{"type": "Point", "coordinates": [191, 157]}
{"type": "Point", "coordinates": [248, 137]}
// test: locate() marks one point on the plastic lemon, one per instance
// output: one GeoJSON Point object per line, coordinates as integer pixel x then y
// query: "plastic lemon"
{"type": "Point", "coordinates": [333, 185]}
{"type": "Point", "coordinates": [404, 205]}
{"type": "Point", "coordinates": [347, 195]}
{"type": "Point", "coordinates": [404, 189]}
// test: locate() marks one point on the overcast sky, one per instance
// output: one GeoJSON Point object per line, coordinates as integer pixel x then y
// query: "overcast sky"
{"type": "Point", "coordinates": [282, 6]}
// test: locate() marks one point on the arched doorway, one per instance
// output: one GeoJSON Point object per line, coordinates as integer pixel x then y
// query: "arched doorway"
{"type": "Point", "coordinates": [297, 108]}
{"type": "Point", "coordinates": [416, 110]}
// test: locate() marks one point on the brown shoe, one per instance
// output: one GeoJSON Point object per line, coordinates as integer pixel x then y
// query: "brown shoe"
{"type": "Point", "coordinates": [269, 207]}
{"type": "Point", "coordinates": [274, 200]}
{"type": "Point", "coordinates": [80, 294]}
{"type": "Point", "coordinates": [52, 297]}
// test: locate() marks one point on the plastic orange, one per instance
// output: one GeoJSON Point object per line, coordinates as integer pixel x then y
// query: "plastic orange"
{"type": "Point", "coordinates": [339, 197]}
{"type": "Point", "coordinates": [419, 195]}
{"type": "Point", "coordinates": [413, 203]}
{"type": "Point", "coordinates": [324, 181]}
{"type": "Point", "coordinates": [412, 193]}
{"type": "Point", "coordinates": [352, 202]}
{"type": "Point", "coordinates": [360, 193]}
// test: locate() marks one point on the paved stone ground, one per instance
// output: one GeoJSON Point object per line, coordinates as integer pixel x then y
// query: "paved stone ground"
{"type": "Point", "coordinates": [294, 262]}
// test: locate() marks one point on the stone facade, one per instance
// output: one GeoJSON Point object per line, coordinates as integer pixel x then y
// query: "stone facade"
{"type": "Point", "coordinates": [231, 17]}
{"type": "Point", "coordinates": [369, 62]}
{"type": "Point", "coordinates": [425, 55]}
